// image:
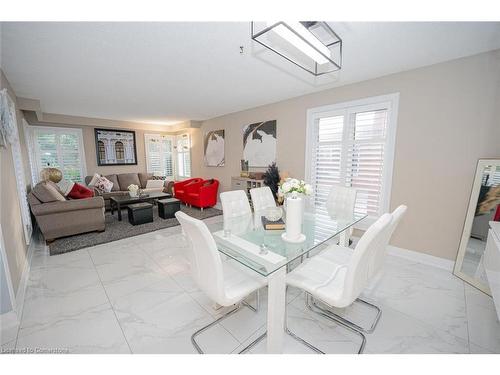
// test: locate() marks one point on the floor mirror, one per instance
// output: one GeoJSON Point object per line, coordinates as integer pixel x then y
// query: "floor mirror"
{"type": "Point", "coordinates": [484, 207]}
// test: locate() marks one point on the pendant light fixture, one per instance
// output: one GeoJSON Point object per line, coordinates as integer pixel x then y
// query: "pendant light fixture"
{"type": "Point", "coordinates": [311, 45]}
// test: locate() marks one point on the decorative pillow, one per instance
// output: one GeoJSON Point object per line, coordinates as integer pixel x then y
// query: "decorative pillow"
{"type": "Point", "coordinates": [94, 180]}
{"type": "Point", "coordinates": [114, 179]}
{"type": "Point", "coordinates": [154, 184]}
{"type": "Point", "coordinates": [46, 192]}
{"type": "Point", "coordinates": [154, 177]}
{"type": "Point", "coordinates": [80, 192]}
{"type": "Point", "coordinates": [65, 186]}
{"type": "Point", "coordinates": [104, 184]}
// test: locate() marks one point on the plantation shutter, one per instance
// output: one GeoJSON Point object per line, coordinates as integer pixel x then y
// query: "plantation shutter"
{"type": "Point", "coordinates": [183, 156]}
{"type": "Point", "coordinates": [59, 148]}
{"type": "Point", "coordinates": [159, 155]}
{"type": "Point", "coordinates": [327, 157]}
{"type": "Point", "coordinates": [365, 159]}
{"type": "Point", "coordinates": [349, 148]}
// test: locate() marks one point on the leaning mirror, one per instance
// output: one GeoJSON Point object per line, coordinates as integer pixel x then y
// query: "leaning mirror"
{"type": "Point", "coordinates": [484, 207]}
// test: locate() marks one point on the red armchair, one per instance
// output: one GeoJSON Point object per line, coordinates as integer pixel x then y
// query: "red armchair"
{"type": "Point", "coordinates": [201, 194]}
{"type": "Point", "coordinates": [180, 187]}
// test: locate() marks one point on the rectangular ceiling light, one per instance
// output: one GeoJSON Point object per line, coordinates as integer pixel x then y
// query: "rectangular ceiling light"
{"type": "Point", "coordinates": [319, 47]}
{"type": "Point", "coordinates": [316, 51]}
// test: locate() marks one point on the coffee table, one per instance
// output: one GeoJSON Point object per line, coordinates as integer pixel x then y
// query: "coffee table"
{"type": "Point", "coordinates": [118, 201]}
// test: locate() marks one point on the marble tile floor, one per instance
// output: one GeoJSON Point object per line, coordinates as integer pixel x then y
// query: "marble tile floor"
{"type": "Point", "coordinates": [136, 296]}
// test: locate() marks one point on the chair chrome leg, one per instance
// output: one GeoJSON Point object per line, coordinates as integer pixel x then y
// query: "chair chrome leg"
{"type": "Point", "coordinates": [297, 338]}
{"type": "Point", "coordinates": [203, 329]}
{"type": "Point", "coordinates": [348, 322]}
{"type": "Point", "coordinates": [257, 302]}
{"type": "Point", "coordinates": [314, 308]}
{"type": "Point", "coordinates": [227, 315]}
{"type": "Point", "coordinates": [253, 343]}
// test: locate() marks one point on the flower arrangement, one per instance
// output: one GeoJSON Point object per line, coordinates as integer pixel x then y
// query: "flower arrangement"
{"type": "Point", "coordinates": [294, 187]}
{"type": "Point", "coordinates": [133, 189]}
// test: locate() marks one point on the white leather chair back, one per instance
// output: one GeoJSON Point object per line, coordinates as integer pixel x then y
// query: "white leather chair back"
{"type": "Point", "coordinates": [234, 203]}
{"type": "Point", "coordinates": [359, 268]}
{"type": "Point", "coordinates": [340, 202]}
{"type": "Point", "coordinates": [379, 257]}
{"type": "Point", "coordinates": [206, 263]}
{"type": "Point", "coordinates": [262, 198]}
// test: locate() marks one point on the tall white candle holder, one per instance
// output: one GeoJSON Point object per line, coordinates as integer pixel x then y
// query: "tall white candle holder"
{"type": "Point", "coordinates": [293, 226]}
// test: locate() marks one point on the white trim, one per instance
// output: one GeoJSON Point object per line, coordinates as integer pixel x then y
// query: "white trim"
{"type": "Point", "coordinates": [23, 284]}
{"type": "Point", "coordinates": [8, 276]}
{"type": "Point", "coordinates": [391, 102]}
{"type": "Point", "coordinates": [30, 147]}
{"type": "Point", "coordinates": [430, 260]}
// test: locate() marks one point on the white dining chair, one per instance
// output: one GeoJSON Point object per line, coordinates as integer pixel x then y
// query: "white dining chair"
{"type": "Point", "coordinates": [340, 205]}
{"type": "Point", "coordinates": [234, 203]}
{"type": "Point", "coordinates": [338, 285]}
{"type": "Point", "coordinates": [262, 198]}
{"type": "Point", "coordinates": [223, 282]}
{"type": "Point", "coordinates": [338, 255]}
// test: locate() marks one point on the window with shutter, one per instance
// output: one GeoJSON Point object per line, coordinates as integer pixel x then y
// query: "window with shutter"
{"type": "Point", "coordinates": [183, 156]}
{"type": "Point", "coordinates": [159, 154]}
{"type": "Point", "coordinates": [59, 148]}
{"type": "Point", "coordinates": [352, 144]}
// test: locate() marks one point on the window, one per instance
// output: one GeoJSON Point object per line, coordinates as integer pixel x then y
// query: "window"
{"type": "Point", "coordinates": [101, 150]}
{"type": "Point", "coordinates": [59, 148]}
{"type": "Point", "coordinates": [183, 156]}
{"type": "Point", "coordinates": [159, 154]}
{"type": "Point", "coordinates": [352, 144]}
{"type": "Point", "coordinates": [119, 152]}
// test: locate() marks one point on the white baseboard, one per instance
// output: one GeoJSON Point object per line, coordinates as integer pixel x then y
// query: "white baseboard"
{"type": "Point", "coordinates": [23, 284]}
{"type": "Point", "coordinates": [427, 259]}
{"type": "Point", "coordinates": [9, 324]}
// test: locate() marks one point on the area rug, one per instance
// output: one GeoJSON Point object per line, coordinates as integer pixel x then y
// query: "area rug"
{"type": "Point", "coordinates": [116, 230]}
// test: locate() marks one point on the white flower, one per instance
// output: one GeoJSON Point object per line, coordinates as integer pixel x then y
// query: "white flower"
{"type": "Point", "coordinates": [133, 187]}
{"type": "Point", "coordinates": [295, 183]}
{"type": "Point", "coordinates": [286, 187]}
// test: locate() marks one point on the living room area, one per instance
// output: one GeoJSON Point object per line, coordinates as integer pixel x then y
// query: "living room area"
{"type": "Point", "coordinates": [281, 187]}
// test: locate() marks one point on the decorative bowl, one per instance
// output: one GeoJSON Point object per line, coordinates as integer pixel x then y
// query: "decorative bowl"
{"type": "Point", "coordinates": [274, 214]}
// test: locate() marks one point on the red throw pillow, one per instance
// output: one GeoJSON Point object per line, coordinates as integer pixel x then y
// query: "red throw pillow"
{"type": "Point", "coordinates": [80, 192]}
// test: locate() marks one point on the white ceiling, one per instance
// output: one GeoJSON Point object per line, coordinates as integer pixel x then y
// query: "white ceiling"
{"type": "Point", "coordinates": [163, 72]}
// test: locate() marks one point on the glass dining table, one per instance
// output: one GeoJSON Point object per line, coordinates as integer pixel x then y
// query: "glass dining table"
{"type": "Point", "coordinates": [244, 239]}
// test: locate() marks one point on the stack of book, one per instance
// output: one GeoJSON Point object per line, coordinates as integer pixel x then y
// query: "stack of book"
{"type": "Point", "coordinates": [272, 225]}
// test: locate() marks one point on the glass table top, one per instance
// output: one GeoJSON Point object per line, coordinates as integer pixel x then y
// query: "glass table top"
{"type": "Point", "coordinates": [245, 240]}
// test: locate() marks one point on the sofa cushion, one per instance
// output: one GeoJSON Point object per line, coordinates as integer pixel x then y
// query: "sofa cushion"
{"type": "Point", "coordinates": [47, 191]}
{"type": "Point", "coordinates": [127, 179]}
{"type": "Point", "coordinates": [144, 177]}
{"type": "Point", "coordinates": [114, 179]}
{"type": "Point", "coordinates": [154, 184]}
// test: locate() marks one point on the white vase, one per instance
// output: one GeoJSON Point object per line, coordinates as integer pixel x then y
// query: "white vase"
{"type": "Point", "coordinates": [294, 214]}
{"type": "Point", "coordinates": [132, 193]}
